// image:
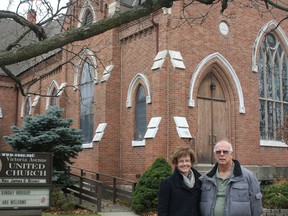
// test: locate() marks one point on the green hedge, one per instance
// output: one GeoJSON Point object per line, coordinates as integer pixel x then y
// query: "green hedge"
{"type": "Point", "coordinates": [275, 196]}
{"type": "Point", "coordinates": [145, 196]}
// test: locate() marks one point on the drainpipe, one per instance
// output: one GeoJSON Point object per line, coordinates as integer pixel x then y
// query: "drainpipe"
{"type": "Point", "coordinates": [156, 25]}
{"type": "Point", "coordinates": [17, 104]}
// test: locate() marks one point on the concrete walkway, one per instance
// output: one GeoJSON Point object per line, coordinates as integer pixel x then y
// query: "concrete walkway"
{"type": "Point", "coordinates": [110, 209]}
{"type": "Point", "coordinates": [117, 214]}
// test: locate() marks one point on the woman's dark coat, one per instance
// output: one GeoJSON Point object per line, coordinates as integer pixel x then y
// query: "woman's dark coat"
{"type": "Point", "coordinates": [176, 199]}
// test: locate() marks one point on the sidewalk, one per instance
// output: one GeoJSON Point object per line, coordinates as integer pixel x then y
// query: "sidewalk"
{"type": "Point", "coordinates": [110, 209]}
{"type": "Point", "coordinates": [117, 214]}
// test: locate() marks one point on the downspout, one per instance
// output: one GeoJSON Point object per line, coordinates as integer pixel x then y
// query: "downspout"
{"type": "Point", "coordinates": [156, 25]}
{"type": "Point", "coordinates": [17, 103]}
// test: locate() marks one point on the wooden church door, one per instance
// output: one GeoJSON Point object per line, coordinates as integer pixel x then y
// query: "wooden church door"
{"type": "Point", "coordinates": [212, 118]}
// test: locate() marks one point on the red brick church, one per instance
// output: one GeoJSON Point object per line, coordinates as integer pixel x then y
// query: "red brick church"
{"type": "Point", "coordinates": [142, 89]}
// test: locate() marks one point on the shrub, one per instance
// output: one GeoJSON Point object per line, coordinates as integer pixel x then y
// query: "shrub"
{"type": "Point", "coordinates": [275, 196]}
{"type": "Point", "coordinates": [61, 202]}
{"type": "Point", "coordinates": [145, 196]}
{"type": "Point", "coordinates": [49, 132]}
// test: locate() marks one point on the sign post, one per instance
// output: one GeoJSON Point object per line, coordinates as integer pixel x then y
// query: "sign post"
{"type": "Point", "coordinates": [25, 182]}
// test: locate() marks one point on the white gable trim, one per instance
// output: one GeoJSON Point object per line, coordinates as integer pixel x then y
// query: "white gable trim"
{"type": "Point", "coordinates": [134, 81]}
{"type": "Point", "coordinates": [268, 26]}
{"type": "Point", "coordinates": [229, 68]}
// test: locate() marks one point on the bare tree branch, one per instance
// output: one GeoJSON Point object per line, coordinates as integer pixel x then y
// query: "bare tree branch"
{"type": "Point", "coordinates": [276, 5]}
{"type": "Point", "coordinates": [38, 30]}
{"type": "Point", "coordinates": [27, 52]}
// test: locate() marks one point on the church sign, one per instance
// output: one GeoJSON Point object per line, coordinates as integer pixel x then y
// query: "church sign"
{"type": "Point", "coordinates": [25, 180]}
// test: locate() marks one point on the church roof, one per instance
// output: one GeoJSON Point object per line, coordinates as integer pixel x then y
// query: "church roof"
{"type": "Point", "coordinates": [11, 31]}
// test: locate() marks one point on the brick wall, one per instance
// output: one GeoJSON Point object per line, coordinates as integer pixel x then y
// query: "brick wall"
{"type": "Point", "coordinates": [131, 49]}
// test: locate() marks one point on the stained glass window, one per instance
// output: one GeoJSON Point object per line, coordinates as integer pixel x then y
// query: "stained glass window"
{"type": "Point", "coordinates": [140, 113]}
{"type": "Point", "coordinates": [27, 110]}
{"type": "Point", "coordinates": [53, 99]}
{"type": "Point", "coordinates": [88, 18]}
{"type": "Point", "coordinates": [87, 101]}
{"type": "Point", "coordinates": [273, 86]}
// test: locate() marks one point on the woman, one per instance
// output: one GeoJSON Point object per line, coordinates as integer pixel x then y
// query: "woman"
{"type": "Point", "coordinates": [179, 194]}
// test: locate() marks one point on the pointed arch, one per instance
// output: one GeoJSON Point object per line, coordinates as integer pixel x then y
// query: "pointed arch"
{"type": "Point", "coordinates": [25, 101]}
{"type": "Point", "coordinates": [53, 85]}
{"type": "Point", "coordinates": [265, 28]}
{"type": "Point", "coordinates": [86, 53]}
{"type": "Point", "coordinates": [216, 57]}
{"type": "Point", "coordinates": [86, 6]}
{"type": "Point", "coordinates": [139, 77]}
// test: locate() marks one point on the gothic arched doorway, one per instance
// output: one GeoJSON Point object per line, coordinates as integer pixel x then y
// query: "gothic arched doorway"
{"type": "Point", "coordinates": [212, 117]}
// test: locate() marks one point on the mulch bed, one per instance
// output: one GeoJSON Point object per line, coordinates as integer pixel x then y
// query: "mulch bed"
{"type": "Point", "coordinates": [75, 211]}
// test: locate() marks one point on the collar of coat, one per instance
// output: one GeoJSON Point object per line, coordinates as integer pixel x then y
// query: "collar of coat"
{"type": "Point", "coordinates": [178, 180]}
{"type": "Point", "coordinates": [179, 175]}
{"type": "Point", "coordinates": [237, 169]}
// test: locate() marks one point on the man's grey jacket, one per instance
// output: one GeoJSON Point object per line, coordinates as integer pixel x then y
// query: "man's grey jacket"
{"type": "Point", "coordinates": [243, 196]}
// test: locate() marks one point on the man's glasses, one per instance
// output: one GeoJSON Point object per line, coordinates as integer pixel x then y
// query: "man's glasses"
{"type": "Point", "coordinates": [224, 152]}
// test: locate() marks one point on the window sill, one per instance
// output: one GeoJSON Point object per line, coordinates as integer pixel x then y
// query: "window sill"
{"type": "Point", "coordinates": [87, 145]}
{"type": "Point", "coordinates": [273, 143]}
{"type": "Point", "coordinates": [136, 143]}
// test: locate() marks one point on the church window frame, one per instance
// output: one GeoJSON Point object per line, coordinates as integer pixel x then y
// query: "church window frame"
{"type": "Point", "coordinates": [87, 101]}
{"type": "Point", "coordinates": [86, 8]}
{"type": "Point", "coordinates": [272, 89]}
{"type": "Point", "coordinates": [27, 108]}
{"type": "Point", "coordinates": [140, 114]}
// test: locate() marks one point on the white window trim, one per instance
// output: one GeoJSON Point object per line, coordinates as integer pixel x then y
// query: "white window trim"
{"type": "Point", "coordinates": [87, 5]}
{"type": "Point", "coordinates": [273, 143]}
{"type": "Point", "coordinates": [132, 85]}
{"type": "Point", "coordinates": [216, 57]}
{"type": "Point", "coordinates": [136, 143]}
{"type": "Point", "coordinates": [87, 145]}
{"type": "Point", "coordinates": [23, 105]}
{"type": "Point", "coordinates": [259, 39]}
{"type": "Point", "coordinates": [78, 68]}
{"type": "Point", "coordinates": [49, 92]}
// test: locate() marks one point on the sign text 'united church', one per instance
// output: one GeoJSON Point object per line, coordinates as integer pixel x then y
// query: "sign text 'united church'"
{"type": "Point", "coordinates": [25, 180]}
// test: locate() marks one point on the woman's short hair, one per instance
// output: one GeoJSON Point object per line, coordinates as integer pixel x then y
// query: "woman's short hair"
{"type": "Point", "coordinates": [182, 152]}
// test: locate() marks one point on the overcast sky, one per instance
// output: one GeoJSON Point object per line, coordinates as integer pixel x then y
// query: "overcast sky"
{"type": "Point", "coordinates": [14, 3]}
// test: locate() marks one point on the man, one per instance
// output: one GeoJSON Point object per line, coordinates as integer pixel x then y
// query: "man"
{"type": "Point", "coordinates": [229, 189]}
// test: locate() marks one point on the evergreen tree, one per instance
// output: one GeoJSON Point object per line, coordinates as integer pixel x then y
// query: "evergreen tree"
{"type": "Point", "coordinates": [145, 197]}
{"type": "Point", "coordinates": [49, 133]}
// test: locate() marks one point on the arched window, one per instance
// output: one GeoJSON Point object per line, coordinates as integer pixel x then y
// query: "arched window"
{"type": "Point", "coordinates": [140, 113]}
{"type": "Point", "coordinates": [88, 18]}
{"type": "Point", "coordinates": [273, 86]}
{"type": "Point", "coordinates": [53, 99]}
{"type": "Point", "coordinates": [87, 100]}
{"type": "Point", "coordinates": [27, 108]}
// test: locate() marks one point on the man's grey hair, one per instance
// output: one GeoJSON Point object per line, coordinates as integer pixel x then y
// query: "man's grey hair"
{"type": "Point", "coordinates": [225, 141]}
